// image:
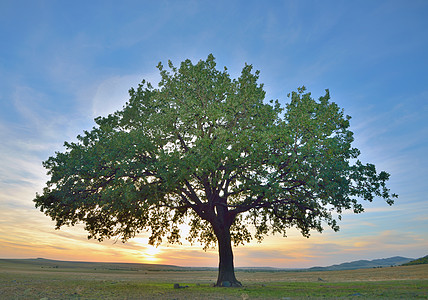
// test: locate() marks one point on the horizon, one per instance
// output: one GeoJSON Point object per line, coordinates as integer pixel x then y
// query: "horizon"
{"type": "Point", "coordinates": [64, 64]}
{"type": "Point", "coordinates": [201, 267]}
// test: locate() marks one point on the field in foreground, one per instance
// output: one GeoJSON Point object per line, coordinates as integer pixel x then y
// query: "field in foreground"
{"type": "Point", "coordinates": [22, 280]}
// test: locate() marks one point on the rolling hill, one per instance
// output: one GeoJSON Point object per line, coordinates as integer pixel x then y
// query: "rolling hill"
{"type": "Point", "coordinates": [419, 261]}
{"type": "Point", "coordinates": [364, 264]}
{"type": "Point", "coordinates": [48, 263]}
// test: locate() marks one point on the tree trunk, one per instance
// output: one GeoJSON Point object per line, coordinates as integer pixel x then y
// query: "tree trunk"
{"type": "Point", "coordinates": [226, 269]}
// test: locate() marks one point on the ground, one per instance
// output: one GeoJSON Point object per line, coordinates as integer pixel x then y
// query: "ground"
{"type": "Point", "coordinates": [29, 281]}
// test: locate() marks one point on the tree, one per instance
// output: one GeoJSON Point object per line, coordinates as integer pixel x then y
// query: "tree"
{"type": "Point", "coordinates": [207, 150]}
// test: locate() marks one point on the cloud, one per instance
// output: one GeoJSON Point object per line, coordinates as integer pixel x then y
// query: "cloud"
{"type": "Point", "coordinates": [39, 128]}
{"type": "Point", "coordinates": [36, 131]}
{"type": "Point", "coordinates": [112, 93]}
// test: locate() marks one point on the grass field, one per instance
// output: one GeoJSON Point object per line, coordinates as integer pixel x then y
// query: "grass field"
{"type": "Point", "coordinates": [20, 279]}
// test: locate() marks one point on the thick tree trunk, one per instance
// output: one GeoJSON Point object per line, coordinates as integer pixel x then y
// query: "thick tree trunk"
{"type": "Point", "coordinates": [226, 269]}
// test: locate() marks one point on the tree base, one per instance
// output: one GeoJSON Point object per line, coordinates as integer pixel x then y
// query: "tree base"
{"type": "Point", "coordinates": [229, 284]}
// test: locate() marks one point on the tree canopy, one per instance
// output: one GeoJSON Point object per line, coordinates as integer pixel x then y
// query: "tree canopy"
{"type": "Point", "coordinates": [208, 150]}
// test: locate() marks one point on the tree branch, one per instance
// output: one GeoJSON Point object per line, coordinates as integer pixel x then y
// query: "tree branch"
{"type": "Point", "coordinates": [183, 144]}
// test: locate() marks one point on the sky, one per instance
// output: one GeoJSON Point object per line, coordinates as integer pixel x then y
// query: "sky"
{"type": "Point", "coordinates": [63, 63]}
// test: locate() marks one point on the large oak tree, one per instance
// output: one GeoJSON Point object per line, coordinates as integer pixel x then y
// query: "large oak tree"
{"type": "Point", "coordinates": [208, 150]}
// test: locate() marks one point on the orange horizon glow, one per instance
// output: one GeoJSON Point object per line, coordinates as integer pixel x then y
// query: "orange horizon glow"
{"type": "Point", "coordinates": [71, 244]}
{"type": "Point", "coordinates": [27, 233]}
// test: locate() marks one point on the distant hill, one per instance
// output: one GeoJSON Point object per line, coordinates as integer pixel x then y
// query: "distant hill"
{"type": "Point", "coordinates": [49, 263]}
{"type": "Point", "coordinates": [100, 266]}
{"type": "Point", "coordinates": [419, 261]}
{"type": "Point", "coordinates": [364, 264]}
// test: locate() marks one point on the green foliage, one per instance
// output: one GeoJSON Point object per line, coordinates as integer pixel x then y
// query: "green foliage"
{"type": "Point", "coordinates": [207, 150]}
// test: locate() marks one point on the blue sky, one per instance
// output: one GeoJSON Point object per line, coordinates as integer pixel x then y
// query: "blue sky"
{"type": "Point", "coordinates": [62, 63]}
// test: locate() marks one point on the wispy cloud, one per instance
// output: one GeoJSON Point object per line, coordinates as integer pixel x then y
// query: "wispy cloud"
{"type": "Point", "coordinates": [112, 93]}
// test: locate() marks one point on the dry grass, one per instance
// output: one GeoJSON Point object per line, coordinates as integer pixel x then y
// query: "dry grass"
{"type": "Point", "coordinates": [23, 281]}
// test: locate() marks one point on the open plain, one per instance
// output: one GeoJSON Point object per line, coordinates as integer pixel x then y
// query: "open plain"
{"type": "Point", "coordinates": [44, 279]}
